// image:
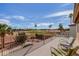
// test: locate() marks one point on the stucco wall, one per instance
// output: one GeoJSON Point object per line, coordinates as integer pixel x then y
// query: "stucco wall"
{"type": "Point", "coordinates": [76, 43]}
{"type": "Point", "coordinates": [72, 32]}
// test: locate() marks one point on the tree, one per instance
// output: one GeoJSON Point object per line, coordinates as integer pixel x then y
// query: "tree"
{"type": "Point", "coordinates": [21, 38]}
{"type": "Point", "coordinates": [50, 26]}
{"type": "Point", "coordinates": [71, 18]}
{"type": "Point", "coordinates": [35, 26]}
{"type": "Point", "coordinates": [61, 28]}
{"type": "Point", "coordinates": [4, 29]}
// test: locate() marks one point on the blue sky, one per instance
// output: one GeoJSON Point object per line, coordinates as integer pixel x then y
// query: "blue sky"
{"type": "Point", "coordinates": [25, 15]}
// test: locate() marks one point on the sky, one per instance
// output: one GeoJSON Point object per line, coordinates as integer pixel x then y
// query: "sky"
{"type": "Point", "coordinates": [26, 15]}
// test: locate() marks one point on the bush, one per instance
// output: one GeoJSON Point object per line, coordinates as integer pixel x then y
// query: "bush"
{"type": "Point", "coordinates": [21, 38]}
{"type": "Point", "coordinates": [39, 36]}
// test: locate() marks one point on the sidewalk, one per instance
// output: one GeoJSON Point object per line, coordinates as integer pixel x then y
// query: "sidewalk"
{"type": "Point", "coordinates": [10, 50]}
{"type": "Point", "coordinates": [29, 49]}
{"type": "Point", "coordinates": [13, 50]}
{"type": "Point", "coordinates": [45, 50]}
{"type": "Point", "coordinates": [39, 49]}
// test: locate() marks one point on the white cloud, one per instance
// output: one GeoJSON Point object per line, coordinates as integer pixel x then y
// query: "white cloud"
{"type": "Point", "coordinates": [44, 24]}
{"type": "Point", "coordinates": [16, 17]}
{"type": "Point", "coordinates": [19, 17]}
{"type": "Point", "coordinates": [60, 13]}
{"type": "Point", "coordinates": [41, 24]}
{"type": "Point", "coordinates": [65, 4]}
{"type": "Point", "coordinates": [4, 21]}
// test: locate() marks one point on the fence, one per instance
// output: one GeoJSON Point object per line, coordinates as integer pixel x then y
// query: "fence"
{"type": "Point", "coordinates": [11, 45]}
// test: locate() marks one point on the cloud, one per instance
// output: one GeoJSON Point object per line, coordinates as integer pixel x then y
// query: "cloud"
{"type": "Point", "coordinates": [65, 4]}
{"type": "Point", "coordinates": [19, 17]}
{"type": "Point", "coordinates": [4, 21]}
{"type": "Point", "coordinates": [41, 24]}
{"type": "Point", "coordinates": [60, 13]}
{"type": "Point", "coordinates": [16, 17]}
{"type": "Point", "coordinates": [44, 24]}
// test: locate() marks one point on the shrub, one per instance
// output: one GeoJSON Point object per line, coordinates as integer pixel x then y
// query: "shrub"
{"type": "Point", "coordinates": [21, 38]}
{"type": "Point", "coordinates": [39, 36]}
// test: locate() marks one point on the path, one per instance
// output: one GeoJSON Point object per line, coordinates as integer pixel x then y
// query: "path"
{"type": "Point", "coordinates": [45, 50]}
{"type": "Point", "coordinates": [39, 49]}
{"type": "Point", "coordinates": [26, 50]}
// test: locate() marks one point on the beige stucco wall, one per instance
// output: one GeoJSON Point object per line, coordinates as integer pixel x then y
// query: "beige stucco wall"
{"type": "Point", "coordinates": [72, 32]}
{"type": "Point", "coordinates": [76, 42]}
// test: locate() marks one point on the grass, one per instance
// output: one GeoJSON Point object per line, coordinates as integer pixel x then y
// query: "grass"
{"type": "Point", "coordinates": [43, 32]}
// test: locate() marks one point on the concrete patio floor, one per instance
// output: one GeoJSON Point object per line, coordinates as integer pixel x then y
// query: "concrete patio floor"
{"type": "Point", "coordinates": [45, 50]}
{"type": "Point", "coordinates": [39, 49]}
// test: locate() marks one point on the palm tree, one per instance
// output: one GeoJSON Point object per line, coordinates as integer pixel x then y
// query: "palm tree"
{"type": "Point", "coordinates": [71, 17]}
{"type": "Point", "coordinates": [50, 26]}
{"type": "Point", "coordinates": [4, 29]}
{"type": "Point", "coordinates": [10, 32]}
{"type": "Point", "coordinates": [61, 28]}
{"type": "Point", "coordinates": [35, 26]}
